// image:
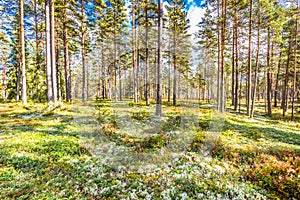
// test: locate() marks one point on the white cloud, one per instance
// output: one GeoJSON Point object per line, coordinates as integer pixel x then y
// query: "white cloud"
{"type": "Point", "coordinates": [195, 14]}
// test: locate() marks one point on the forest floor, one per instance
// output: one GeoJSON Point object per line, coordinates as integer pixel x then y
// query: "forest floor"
{"type": "Point", "coordinates": [107, 150]}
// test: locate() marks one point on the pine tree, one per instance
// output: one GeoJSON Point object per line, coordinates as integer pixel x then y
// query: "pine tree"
{"type": "Point", "coordinates": [178, 25]}
{"type": "Point", "coordinates": [159, 58]}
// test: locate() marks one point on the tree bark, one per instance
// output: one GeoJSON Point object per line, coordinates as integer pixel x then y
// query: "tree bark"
{"type": "Point", "coordinates": [120, 75]}
{"type": "Point", "coordinates": [174, 68]}
{"type": "Point", "coordinates": [295, 63]}
{"type": "Point", "coordinates": [233, 69]}
{"type": "Point", "coordinates": [18, 70]}
{"type": "Point", "coordinates": [269, 75]}
{"type": "Point", "coordinates": [159, 58]}
{"type": "Point", "coordinates": [236, 60]}
{"type": "Point", "coordinates": [223, 34]}
{"type": "Point", "coordinates": [285, 88]}
{"type": "Point", "coordinates": [84, 67]}
{"type": "Point", "coordinates": [256, 63]}
{"type": "Point", "coordinates": [103, 71]}
{"type": "Point", "coordinates": [50, 97]}
{"type": "Point", "coordinates": [22, 39]}
{"type": "Point", "coordinates": [52, 47]}
{"type": "Point", "coordinates": [219, 67]}
{"type": "Point", "coordinates": [277, 78]}
{"type": "Point", "coordinates": [169, 69]}
{"type": "Point", "coordinates": [249, 68]}
{"type": "Point", "coordinates": [134, 60]}
{"type": "Point", "coordinates": [174, 80]}
{"type": "Point", "coordinates": [4, 92]}
{"type": "Point", "coordinates": [58, 76]}
{"type": "Point", "coordinates": [37, 50]}
{"type": "Point", "coordinates": [147, 58]}
{"type": "Point", "coordinates": [115, 60]}
{"type": "Point", "coordinates": [66, 54]}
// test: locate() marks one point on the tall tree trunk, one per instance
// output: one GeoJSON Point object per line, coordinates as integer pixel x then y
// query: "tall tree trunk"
{"type": "Point", "coordinates": [179, 89]}
{"type": "Point", "coordinates": [115, 60]}
{"type": "Point", "coordinates": [19, 70]}
{"type": "Point", "coordinates": [285, 88]}
{"type": "Point", "coordinates": [50, 97]}
{"type": "Point", "coordinates": [103, 71]}
{"type": "Point", "coordinates": [240, 92]}
{"type": "Point", "coordinates": [84, 67]}
{"type": "Point", "coordinates": [208, 84]}
{"type": "Point", "coordinates": [233, 69]}
{"type": "Point", "coordinates": [138, 61]}
{"type": "Point", "coordinates": [147, 58]}
{"type": "Point", "coordinates": [174, 80]}
{"type": "Point", "coordinates": [66, 54]}
{"type": "Point", "coordinates": [109, 83]}
{"type": "Point", "coordinates": [22, 39]}
{"type": "Point", "coordinates": [174, 68]}
{"type": "Point", "coordinates": [120, 75]}
{"type": "Point", "coordinates": [4, 92]}
{"type": "Point", "coordinates": [58, 70]}
{"type": "Point", "coordinates": [159, 58]}
{"type": "Point", "coordinates": [256, 63]}
{"type": "Point", "coordinates": [134, 56]}
{"type": "Point", "coordinates": [223, 34]}
{"type": "Point", "coordinates": [277, 78]}
{"type": "Point", "coordinates": [37, 50]}
{"type": "Point", "coordinates": [269, 74]}
{"type": "Point", "coordinates": [249, 70]}
{"type": "Point", "coordinates": [219, 64]}
{"type": "Point", "coordinates": [265, 89]}
{"type": "Point", "coordinates": [236, 59]}
{"type": "Point", "coordinates": [169, 69]}
{"type": "Point", "coordinates": [52, 47]}
{"type": "Point", "coordinates": [295, 62]}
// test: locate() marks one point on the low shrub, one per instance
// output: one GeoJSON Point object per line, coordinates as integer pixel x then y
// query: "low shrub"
{"type": "Point", "coordinates": [102, 113]}
{"type": "Point", "coordinates": [140, 114]}
{"type": "Point", "coordinates": [172, 123]}
{"type": "Point", "coordinates": [198, 139]}
{"type": "Point", "coordinates": [109, 128]}
{"type": "Point", "coordinates": [153, 142]}
{"type": "Point", "coordinates": [279, 177]}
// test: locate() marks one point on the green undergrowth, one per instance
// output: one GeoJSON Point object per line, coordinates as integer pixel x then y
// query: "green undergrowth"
{"type": "Point", "coordinates": [70, 151]}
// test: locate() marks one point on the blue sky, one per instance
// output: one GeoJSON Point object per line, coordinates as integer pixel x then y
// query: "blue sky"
{"type": "Point", "coordinates": [195, 13]}
{"type": "Point", "coordinates": [190, 3]}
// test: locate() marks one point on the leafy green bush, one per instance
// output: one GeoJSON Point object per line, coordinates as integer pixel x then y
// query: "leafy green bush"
{"type": "Point", "coordinates": [154, 141]}
{"type": "Point", "coordinates": [102, 113]}
{"type": "Point", "coordinates": [198, 139]}
{"type": "Point", "coordinates": [203, 124]}
{"type": "Point", "coordinates": [140, 114]}
{"type": "Point", "coordinates": [219, 150]}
